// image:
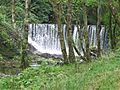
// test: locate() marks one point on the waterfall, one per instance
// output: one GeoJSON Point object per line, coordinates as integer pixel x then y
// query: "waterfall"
{"type": "Point", "coordinates": [45, 39]}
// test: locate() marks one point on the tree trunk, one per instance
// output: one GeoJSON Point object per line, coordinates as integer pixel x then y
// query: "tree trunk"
{"type": "Point", "coordinates": [80, 41]}
{"type": "Point", "coordinates": [86, 34]}
{"type": "Point", "coordinates": [113, 11]}
{"type": "Point", "coordinates": [114, 35]}
{"type": "Point", "coordinates": [98, 29]}
{"type": "Point", "coordinates": [69, 30]}
{"type": "Point", "coordinates": [110, 31]}
{"type": "Point", "coordinates": [24, 56]}
{"type": "Point", "coordinates": [13, 14]}
{"type": "Point", "coordinates": [57, 11]}
{"type": "Point", "coordinates": [32, 31]}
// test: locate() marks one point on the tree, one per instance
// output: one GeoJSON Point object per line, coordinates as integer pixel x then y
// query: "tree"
{"type": "Point", "coordinates": [24, 53]}
{"type": "Point", "coordinates": [114, 21]}
{"type": "Point", "coordinates": [98, 29]}
{"type": "Point", "coordinates": [58, 13]}
{"type": "Point", "coordinates": [86, 34]}
{"type": "Point", "coordinates": [114, 12]}
{"type": "Point", "coordinates": [13, 14]}
{"type": "Point", "coordinates": [110, 31]}
{"type": "Point", "coordinates": [69, 30]}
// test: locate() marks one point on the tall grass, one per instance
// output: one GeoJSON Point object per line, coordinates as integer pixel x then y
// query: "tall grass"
{"type": "Point", "coordinates": [101, 74]}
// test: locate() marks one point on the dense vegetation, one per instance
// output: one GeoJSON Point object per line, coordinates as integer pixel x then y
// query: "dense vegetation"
{"type": "Point", "coordinates": [101, 73]}
{"type": "Point", "coordinates": [46, 11]}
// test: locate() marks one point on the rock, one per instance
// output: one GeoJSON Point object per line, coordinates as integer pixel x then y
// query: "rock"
{"type": "Point", "coordinates": [47, 55]}
{"type": "Point", "coordinates": [4, 75]}
{"type": "Point", "coordinates": [93, 54]}
{"type": "Point", "coordinates": [31, 47]}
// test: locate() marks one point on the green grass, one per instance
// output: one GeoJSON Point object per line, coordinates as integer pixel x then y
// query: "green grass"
{"type": "Point", "coordinates": [101, 74]}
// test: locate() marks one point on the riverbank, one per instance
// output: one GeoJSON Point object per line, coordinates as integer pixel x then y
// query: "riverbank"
{"type": "Point", "coordinates": [9, 67]}
{"type": "Point", "coordinates": [102, 74]}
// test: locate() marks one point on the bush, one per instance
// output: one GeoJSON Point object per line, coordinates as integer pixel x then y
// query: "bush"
{"type": "Point", "coordinates": [1, 57]}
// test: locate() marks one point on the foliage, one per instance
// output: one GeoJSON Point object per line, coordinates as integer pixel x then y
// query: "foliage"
{"type": "Point", "coordinates": [7, 47]}
{"type": "Point", "coordinates": [9, 38]}
{"type": "Point", "coordinates": [101, 75]}
{"type": "Point", "coordinates": [41, 10]}
{"type": "Point", "coordinates": [1, 57]}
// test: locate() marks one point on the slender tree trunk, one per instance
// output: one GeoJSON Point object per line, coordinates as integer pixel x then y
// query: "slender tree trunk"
{"type": "Point", "coordinates": [113, 11]}
{"type": "Point", "coordinates": [114, 35]}
{"type": "Point", "coordinates": [24, 57]}
{"type": "Point", "coordinates": [32, 31]}
{"type": "Point", "coordinates": [110, 31]}
{"type": "Point", "coordinates": [15, 40]}
{"type": "Point", "coordinates": [81, 42]}
{"type": "Point", "coordinates": [60, 33]}
{"type": "Point", "coordinates": [98, 28]}
{"type": "Point", "coordinates": [13, 14]}
{"type": "Point", "coordinates": [86, 34]}
{"type": "Point", "coordinates": [35, 26]}
{"type": "Point", "coordinates": [69, 29]}
{"type": "Point", "coordinates": [104, 41]}
{"type": "Point", "coordinates": [57, 11]}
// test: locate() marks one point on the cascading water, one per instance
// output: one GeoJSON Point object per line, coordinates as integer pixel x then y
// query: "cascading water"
{"type": "Point", "coordinates": [44, 37]}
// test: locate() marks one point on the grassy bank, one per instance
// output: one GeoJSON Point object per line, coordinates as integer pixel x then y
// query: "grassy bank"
{"type": "Point", "coordinates": [102, 74]}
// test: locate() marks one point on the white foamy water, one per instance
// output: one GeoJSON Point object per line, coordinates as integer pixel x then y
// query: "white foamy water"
{"type": "Point", "coordinates": [44, 37]}
{"type": "Point", "coordinates": [42, 50]}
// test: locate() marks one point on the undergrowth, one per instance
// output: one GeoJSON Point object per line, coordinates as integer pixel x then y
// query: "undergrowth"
{"type": "Point", "coordinates": [101, 74]}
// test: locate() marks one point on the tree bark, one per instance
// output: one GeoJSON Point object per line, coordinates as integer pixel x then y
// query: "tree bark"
{"type": "Point", "coordinates": [13, 15]}
{"type": "Point", "coordinates": [86, 34]}
{"type": "Point", "coordinates": [32, 31]}
{"type": "Point", "coordinates": [57, 11]}
{"type": "Point", "coordinates": [81, 39]}
{"type": "Point", "coordinates": [114, 35]}
{"type": "Point", "coordinates": [24, 56]}
{"type": "Point", "coordinates": [69, 29]}
{"type": "Point", "coordinates": [113, 11]}
{"type": "Point", "coordinates": [98, 29]}
{"type": "Point", "coordinates": [110, 31]}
